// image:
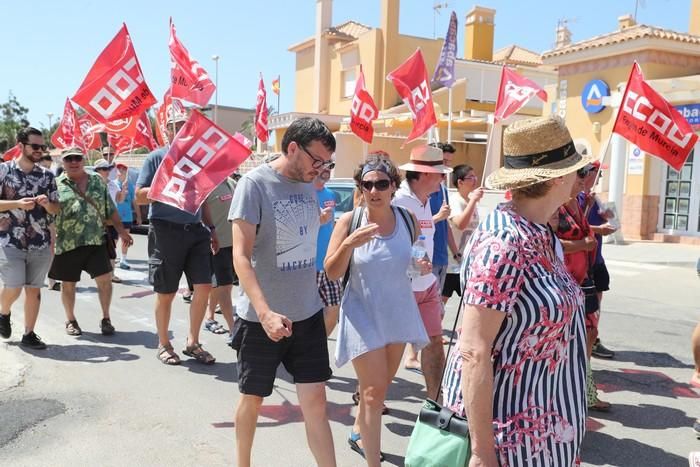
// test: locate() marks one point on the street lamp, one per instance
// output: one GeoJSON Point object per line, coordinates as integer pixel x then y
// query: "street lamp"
{"type": "Point", "coordinates": [216, 85]}
{"type": "Point", "coordinates": [50, 115]}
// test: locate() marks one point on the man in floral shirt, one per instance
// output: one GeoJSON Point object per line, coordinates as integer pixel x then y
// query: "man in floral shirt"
{"type": "Point", "coordinates": [80, 232]}
{"type": "Point", "coordinates": [28, 201]}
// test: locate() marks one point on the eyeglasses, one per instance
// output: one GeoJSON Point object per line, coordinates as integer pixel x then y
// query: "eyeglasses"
{"type": "Point", "coordinates": [318, 163]}
{"type": "Point", "coordinates": [103, 169]}
{"type": "Point", "coordinates": [380, 185]}
{"type": "Point", "coordinates": [37, 147]}
{"type": "Point", "coordinates": [46, 158]}
{"type": "Point", "coordinates": [73, 158]}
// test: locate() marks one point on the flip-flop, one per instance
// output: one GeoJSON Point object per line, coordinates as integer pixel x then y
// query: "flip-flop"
{"type": "Point", "coordinates": [352, 441]}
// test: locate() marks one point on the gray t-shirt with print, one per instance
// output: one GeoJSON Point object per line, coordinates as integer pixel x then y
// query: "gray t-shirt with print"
{"type": "Point", "coordinates": [284, 254]}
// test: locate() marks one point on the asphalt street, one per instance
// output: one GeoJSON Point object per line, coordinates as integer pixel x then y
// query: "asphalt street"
{"type": "Point", "coordinates": [107, 401]}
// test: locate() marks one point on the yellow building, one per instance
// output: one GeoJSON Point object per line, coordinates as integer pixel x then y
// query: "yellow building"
{"type": "Point", "coordinates": [328, 64]}
{"type": "Point", "coordinates": [654, 201]}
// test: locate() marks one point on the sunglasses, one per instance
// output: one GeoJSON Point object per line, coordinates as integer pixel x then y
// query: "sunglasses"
{"type": "Point", "coordinates": [46, 158]}
{"type": "Point", "coordinates": [74, 158]}
{"type": "Point", "coordinates": [583, 172]}
{"type": "Point", "coordinates": [37, 147]}
{"type": "Point", "coordinates": [380, 185]}
{"type": "Point", "coordinates": [103, 169]}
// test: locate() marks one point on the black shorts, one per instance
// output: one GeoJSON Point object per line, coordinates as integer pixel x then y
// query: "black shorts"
{"type": "Point", "coordinates": [222, 267]}
{"type": "Point", "coordinates": [92, 259]}
{"type": "Point", "coordinates": [451, 285]}
{"type": "Point", "coordinates": [176, 249]}
{"type": "Point", "coordinates": [601, 277]}
{"type": "Point", "coordinates": [304, 354]}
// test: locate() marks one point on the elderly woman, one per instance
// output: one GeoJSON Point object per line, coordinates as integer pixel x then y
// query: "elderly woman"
{"type": "Point", "coordinates": [519, 374]}
{"type": "Point", "coordinates": [376, 321]}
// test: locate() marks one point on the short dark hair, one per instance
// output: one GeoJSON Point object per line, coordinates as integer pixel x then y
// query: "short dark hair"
{"type": "Point", "coordinates": [412, 176]}
{"type": "Point", "coordinates": [305, 130]}
{"type": "Point", "coordinates": [459, 172]}
{"type": "Point", "coordinates": [447, 147]}
{"type": "Point", "coordinates": [24, 133]}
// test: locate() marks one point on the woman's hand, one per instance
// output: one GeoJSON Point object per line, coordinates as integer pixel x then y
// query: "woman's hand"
{"type": "Point", "coordinates": [361, 236]}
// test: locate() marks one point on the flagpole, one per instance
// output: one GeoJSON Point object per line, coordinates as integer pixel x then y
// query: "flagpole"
{"type": "Point", "coordinates": [488, 150]}
{"type": "Point", "coordinates": [449, 117]}
{"type": "Point", "coordinates": [279, 91]}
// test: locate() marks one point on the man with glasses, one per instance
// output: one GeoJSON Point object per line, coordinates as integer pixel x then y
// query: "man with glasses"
{"type": "Point", "coordinates": [276, 218]}
{"type": "Point", "coordinates": [80, 237]}
{"type": "Point", "coordinates": [28, 198]}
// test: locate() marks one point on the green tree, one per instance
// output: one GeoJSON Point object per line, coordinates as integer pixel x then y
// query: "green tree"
{"type": "Point", "coordinates": [13, 116]}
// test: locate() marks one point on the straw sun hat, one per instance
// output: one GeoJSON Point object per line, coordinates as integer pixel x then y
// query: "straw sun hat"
{"type": "Point", "coordinates": [536, 150]}
{"type": "Point", "coordinates": [428, 159]}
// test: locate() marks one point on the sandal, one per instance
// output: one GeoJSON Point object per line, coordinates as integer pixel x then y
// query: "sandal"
{"type": "Point", "coordinates": [198, 353]}
{"type": "Point", "coordinates": [116, 280]}
{"type": "Point", "coordinates": [167, 355]}
{"type": "Point", "coordinates": [72, 328]}
{"type": "Point", "coordinates": [214, 326]}
{"type": "Point", "coordinates": [352, 441]}
{"type": "Point", "coordinates": [356, 401]}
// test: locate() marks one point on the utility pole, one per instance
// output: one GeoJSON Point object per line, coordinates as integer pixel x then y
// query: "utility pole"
{"type": "Point", "coordinates": [50, 115]}
{"type": "Point", "coordinates": [437, 6]}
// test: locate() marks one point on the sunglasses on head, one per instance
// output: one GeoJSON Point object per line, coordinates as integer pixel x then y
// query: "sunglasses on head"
{"type": "Point", "coordinates": [73, 158]}
{"type": "Point", "coordinates": [380, 185]}
{"type": "Point", "coordinates": [37, 147]}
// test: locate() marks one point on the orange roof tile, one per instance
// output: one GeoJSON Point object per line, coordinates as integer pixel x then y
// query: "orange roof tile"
{"type": "Point", "coordinates": [517, 55]}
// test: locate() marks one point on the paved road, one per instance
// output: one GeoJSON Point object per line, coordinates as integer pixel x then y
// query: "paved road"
{"type": "Point", "coordinates": [107, 401]}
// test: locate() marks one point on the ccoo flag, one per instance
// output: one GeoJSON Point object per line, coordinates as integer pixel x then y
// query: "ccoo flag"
{"type": "Point", "coordinates": [514, 92]}
{"type": "Point", "coordinates": [445, 70]}
{"type": "Point", "coordinates": [363, 111]}
{"type": "Point", "coordinates": [411, 82]}
{"type": "Point", "coordinates": [648, 121]}
{"type": "Point", "coordinates": [114, 87]}
{"type": "Point", "coordinates": [188, 80]}
{"type": "Point", "coordinates": [261, 112]}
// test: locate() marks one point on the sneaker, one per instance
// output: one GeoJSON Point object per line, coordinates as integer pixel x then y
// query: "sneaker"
{"type": "Point", "coordinates": [32, 341]}
{"type": "Point", "coordinates": [72, 328]}
{"type": "Point", "coordinates": [5, 326]}
{"type": "Point", "coordinates": [600, 351]}
{"type": "Point", "coordinates": [106, 327]}
{"type": "Point", "coordinates": [124, 265]}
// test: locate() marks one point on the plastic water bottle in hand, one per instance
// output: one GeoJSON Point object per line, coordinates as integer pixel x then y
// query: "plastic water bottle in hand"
{"type": "Point", "coordinates": [418, 252]}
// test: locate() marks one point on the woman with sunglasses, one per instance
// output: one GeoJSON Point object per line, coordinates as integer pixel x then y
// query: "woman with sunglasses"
{"type": "Point", "coordinates": [579, 245]}
{"type": "Point", "coordinates": [376, 320]}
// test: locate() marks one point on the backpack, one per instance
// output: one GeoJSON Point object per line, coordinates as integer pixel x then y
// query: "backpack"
{"type": "Point", "coordinates": [357, 219]}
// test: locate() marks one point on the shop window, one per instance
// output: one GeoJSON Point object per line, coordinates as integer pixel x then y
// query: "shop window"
{"type": "Point", "coordinates": [677, 197]}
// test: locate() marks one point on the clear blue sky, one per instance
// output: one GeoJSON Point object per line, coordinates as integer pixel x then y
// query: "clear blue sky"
{"type": "Point", "coordinates": [50, 45]}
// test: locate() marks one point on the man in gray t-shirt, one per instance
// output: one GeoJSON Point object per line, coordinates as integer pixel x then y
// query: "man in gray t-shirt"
{"type": "Point", "coordinates": [275, 218]}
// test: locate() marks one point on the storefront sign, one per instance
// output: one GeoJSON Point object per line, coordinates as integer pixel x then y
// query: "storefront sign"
{"type": "Point", "coordinates": [690, 112]}
{"type": "Point", "coordinates": [635, 161]}
{"type": "Point", "coordinates": [592, 95]}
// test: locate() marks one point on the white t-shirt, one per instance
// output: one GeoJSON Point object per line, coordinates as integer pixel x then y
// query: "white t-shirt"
{"type": "Point", "coordinates": [405, 198]}
{"type": "Point", "coordinates": [457, 207]}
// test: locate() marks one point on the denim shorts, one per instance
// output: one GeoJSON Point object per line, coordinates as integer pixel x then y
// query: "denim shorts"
{"type": "Point", "coordinates": [24, 268]}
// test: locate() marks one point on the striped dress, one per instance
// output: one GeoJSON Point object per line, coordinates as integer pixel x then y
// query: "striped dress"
{"type": "Point", "coordinates": [539, 356]}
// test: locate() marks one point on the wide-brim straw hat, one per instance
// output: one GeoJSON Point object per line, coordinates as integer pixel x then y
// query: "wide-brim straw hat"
{"type": "Point", "coordinates": [428, 159]}
{"type": "Point", "coordinates": [536, 150]}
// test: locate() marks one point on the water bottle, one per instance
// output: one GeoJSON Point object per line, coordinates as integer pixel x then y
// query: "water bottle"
{"type": "Point", "coordinates": [418, 252]}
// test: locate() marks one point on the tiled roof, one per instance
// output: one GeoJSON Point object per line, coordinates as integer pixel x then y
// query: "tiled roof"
{"type": "Point", "coordinates": [517, 55]}
{"type": "Point", "coordinates": [639, 31]}
{"type": "Point", "coordinates": [344, 32]}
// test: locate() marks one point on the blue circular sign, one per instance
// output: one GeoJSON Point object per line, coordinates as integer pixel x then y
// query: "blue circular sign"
{"type": "Point", "coordinates": [592, 95]}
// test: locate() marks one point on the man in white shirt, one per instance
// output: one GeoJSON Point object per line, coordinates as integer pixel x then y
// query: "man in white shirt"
{"type": "Point", "coordinates": [423, 177]}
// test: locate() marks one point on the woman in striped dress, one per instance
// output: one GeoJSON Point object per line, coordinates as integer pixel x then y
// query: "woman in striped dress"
{"type": "Point", "coordinates": [519, 374]}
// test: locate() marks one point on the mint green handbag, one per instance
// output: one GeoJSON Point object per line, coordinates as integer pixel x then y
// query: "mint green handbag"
{"type": "Point", "coordinates": [440, 437]}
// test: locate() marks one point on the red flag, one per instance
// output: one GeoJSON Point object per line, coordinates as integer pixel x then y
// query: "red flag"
{"type": "Point", "coordinates": [114, 87]}
{"type": "Point", "coordinates": [90, 139]}
{"type": "Point", "coordinates": [168, 108]}
{"type": "Point", "coordinates": [514, 92]}
{"type": "Point", "coordinates": [13, 153]}
{"type": "Point", "coordinates": [123, 127]}
{"type": "Point", "coordinates": [142, 138]}
{"type": "Point", "coordinates": [363, 111]}
{"type": "Point", "coordinates": [647, 120]}
{"type": "Point", "coordinates": [189, 80]}
{"type": "Point", "coordinates": [68, 133]}
{"type": "Point", "coordinates": [201, 156]}
{"type": "Point", "coordinates": [412, 83]}
{"type": "Point", "coordinates": [261, 112]}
